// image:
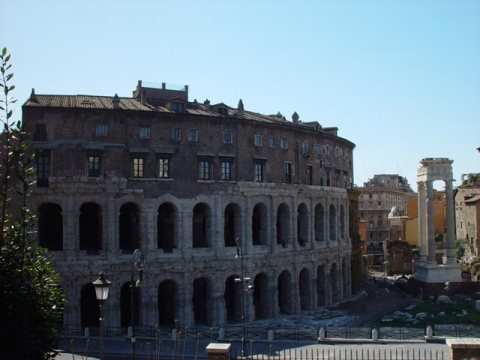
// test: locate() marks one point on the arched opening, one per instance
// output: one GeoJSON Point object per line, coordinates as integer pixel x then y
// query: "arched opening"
{"type": "Point", "coordinates": [283, 225]}
{"type": "Point", "coordinates": [332, 223]}
{"type": "Point", "coordinates": [90, 227]}
{"type": "Point", "coordinates": [321, 294]}
{"type": "Point", "coordinates": [201, 225]}
{"type": "Point", "coordinates": [129, 227]}
{"type": "Point", "coordinates": [334, 283]}
{"type": "Point", "coordinates": [345, 281]}
{"type": "Point", "coordinates": [342, 222]}
{"type": "Point", "coordinates": [319, 223]}
{"type": "Point", "coordinates": [259, 225]}
{"type": "Point", "coordinates": [89, 310]}
{"type": "Point", "coordinates": [304, 290]}
{"type": "Point", "coordinates": [261, 297]}
{"type": "Point", "coordinates": [126, 303]}
{"type": "Point", "coordinates": [201, 301]}
{"type": "Point", "coordinates": [285, 293]}
{"type": "Point", "coordinates": [166, 232]}
{"type": "Point", "coordinates": [302, 225]}
{"type": "Point", "coordinates": [50, 226]}
{"type": "Point", "coordinates": [233, 299]}
{"type": "Point", "coordinates": [167, 303]}
{"type": "Point", "coordinates": [232, 224]}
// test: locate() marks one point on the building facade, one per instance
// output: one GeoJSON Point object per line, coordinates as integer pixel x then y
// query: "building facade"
{"type": "Point", "coordinates": [188, 182]}
{"type": "Point", "coordinates": [467, 217]}
{"type": "Point", "coordinates": [377, 198]}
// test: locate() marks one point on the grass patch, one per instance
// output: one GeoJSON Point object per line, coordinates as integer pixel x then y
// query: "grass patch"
{"type": "Point", "coordinates": [430, 313]}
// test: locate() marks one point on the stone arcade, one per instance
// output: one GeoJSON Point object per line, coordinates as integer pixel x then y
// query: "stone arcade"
{"type": "Point", "coordinates": [182, 180]}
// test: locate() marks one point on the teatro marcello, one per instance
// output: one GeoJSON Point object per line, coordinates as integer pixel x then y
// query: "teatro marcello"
{"type": "Point", "coordinates": [205, 191]}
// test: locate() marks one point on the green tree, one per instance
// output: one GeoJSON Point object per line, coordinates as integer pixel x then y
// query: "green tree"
{"type": "Point", "coordinates": [31, 302]}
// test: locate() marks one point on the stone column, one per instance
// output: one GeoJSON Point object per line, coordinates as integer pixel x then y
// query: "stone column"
{"type": "Point", "coordinates": [450, 222]}
{"type": "Point", "coordinates": [430, 224]}
{"type": "Point", "coordinates": [422, 244]}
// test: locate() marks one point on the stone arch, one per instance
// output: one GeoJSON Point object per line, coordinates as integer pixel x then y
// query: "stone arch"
{"type": "Point", "coordinates": [342, 222]}
{"type": "Point", "coordinates": [334, 282]}
{"type": "Point", "coordinates": [167, 227]}
{"type": "Point", "coordinates": [201, 226]}
{"type": "Point", "coordinates": [283, 224]}
{"type": "Point", "coordinates": [304, 287]}
{"type": "Point", "coordinates": [89, 310]}
{"type": "Point", "coordinates": [285, 304]}
{"type": "Point", "coordinates": [302, 224]}
{"type": "Point", "coordinates": [201, 301]}
{"type": "Point", "coordinates": [50, 226]}
{"type": "Point", "coordinates": [261, 296]}
{"type": "Point", "coordinates": [259, 224]}
{"type": "Point", "coordinates": [332, 222]}
{"type": "Point", "coordinates": [232, 225]}
{"type": "Point", "coordinates": [321, 291]}
{"type": "Point", "coordinates": [126, 305]}
{"type": "Point", "coordinates": [129, 227]}
{"type": "Point", "coordinates": [319, 223]}
{"type": "Point", "coordinates": [233, 299]}
{"type": "Point", "coordinates": [167, 303]}
{"type": "Point", "coordinates": [90, 227]}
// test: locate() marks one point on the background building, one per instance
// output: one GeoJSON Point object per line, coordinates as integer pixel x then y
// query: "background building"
{"type": "Point", "coordinates": [183, 181]}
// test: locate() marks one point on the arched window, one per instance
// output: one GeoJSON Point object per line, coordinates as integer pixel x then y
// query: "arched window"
{"type": "Point", "coordinates": [259, 225]}
{"type": "Point", "coordinates": [283, 225]}
{"type": "Point", "coordinates": [201, 301]}
{"type": "Point", "coordinates": [201, 225]}
{"type": "Point", "coordinates": [304, 290]}
{"type": "Point", "coordinates": [302, 225]}
{"type": "Point", "coordinates": [50, 226]}
{"type": "Point", "coordinates": [233, 299]}
{"type": "Point", "coordinates": [167, 303]}
{"type": "Point", "coordinates": [332, 223]}
{"type": "Point", "coordinates": [319, 223]}
{"type": "Point", "coordinates": [90, 227]}
{"type": "Point", "coordinates": [342, 222]}
{"type": "Point", "coordinates": [232, 224]}
{"type": "Point", "coordinates": [129, 224]}
{"type": "Point", "coordinates": [285, 293]}
{"type": "Point", "coordinates": [89, 311]}
{"type": "Point", "coordinates": [166, 227]}
{"type": "Point", "coordinates": [261, 296]}
{"type": "Point", "coordinates": [126, 303]}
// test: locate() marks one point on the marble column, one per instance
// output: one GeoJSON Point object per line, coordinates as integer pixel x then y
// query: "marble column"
{"type": "Point", "coordinates": [422, 243]}
{"type": "Point", "coordinates": [450, 222]}
{"type": "Point", "coordinates": [430, 224]}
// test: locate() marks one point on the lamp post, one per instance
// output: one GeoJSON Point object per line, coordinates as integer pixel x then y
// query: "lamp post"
{"type": "Point", "coordinates": [137, 267]}
{"type": "Point", "coordinates": [102, 286]}
{"type": "Point", "coordinates": [245, 289]}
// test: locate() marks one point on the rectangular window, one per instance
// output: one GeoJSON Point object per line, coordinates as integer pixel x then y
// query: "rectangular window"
{"type": "Point", "coordinates": [144, 132]}
{"type": "Point", "coordinates": [93, 165]}
{"type": "Point", "coordinates": [304, 149]}
{"type": "Point", "coordinates": [226, 170]}
{"type": "Point", "coordinates": [101, 129]}
{"type": "Point", "coordinates": [178, 107]}
{"type": "Point", "coordinates": [192, 135]}
{"type": "Point", "coordinates": [138, 167]}
{"type": "Point", "coordinates": [228, 137]}
{"type": "Point", "coordinates": [204, 170]}
{"type": "Point", "coordinates": [318, 149]}
{"type": "Point", "coordinates": [176, 134]}
{"type": "Point", "coordinates": [309, 174]}
{"type": "Point", "coordinates": [257, 140]}
{"type": "Point", "coordinates": [284, 143]}
{"type": "Point", "coordinates": [271, 142]}
{"type": "Point", "coordinates": [287, 170]}
{"type": "Point", "coordinates": [259, 172]}
{"type": "Point", "coordinates": [40, 132]}
{"type": "Point", "coordinates": [42, 166]}
{"type": "Point", "coordinates": [163, 167]}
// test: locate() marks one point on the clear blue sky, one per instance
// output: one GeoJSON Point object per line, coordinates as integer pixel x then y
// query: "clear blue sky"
{"type": "Point", "coordinates": [400, 79]}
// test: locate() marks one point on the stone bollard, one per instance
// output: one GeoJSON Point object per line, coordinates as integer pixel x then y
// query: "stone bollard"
{"type": "Point", "coordinates": [270, 335]}
{"type": "Point", "coordinates": [174, 334]}
{"type": "Point", "coordinates": [129, 332]}
{"type": "Point", "coordinates": [221, 333]}
{"type": "Point", "coordinates": [429, 332]}
{"type": "Point", "coordinates": [86, 332]}
{"type": "Point", "coordinates": [374, 335]}
{"type": "Point", "coordinates": [321, 334]}
{"type": "Point", "coordinates": [218, 351]}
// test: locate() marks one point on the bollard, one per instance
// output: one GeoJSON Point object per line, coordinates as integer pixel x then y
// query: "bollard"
{"type": "Point", "coordinates": [86, 332]}
{"type": "Point", "coordinates": [270, 335]}
{"type": "Point", "coordinates": [429, 332]}
{"type": "Point", "coordinates": [321, 334]}
{"type": "Point", "coordinates": [174, 334]}
{"type": "Point", "coordinates": [129, 332]}
{"type": "Point", "coordinates": [375, 335]}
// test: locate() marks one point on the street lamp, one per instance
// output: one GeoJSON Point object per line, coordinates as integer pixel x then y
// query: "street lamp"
{"type": "Point", "coordinates": [245, 289]}
{"type": "Point", "coordinates": [137, 267]}
{"type": "Point", "coordinates": [102, 286]}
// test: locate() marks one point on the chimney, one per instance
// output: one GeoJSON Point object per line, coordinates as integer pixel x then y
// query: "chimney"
{"type": "Point", "coordinates": [207, 103]}
{"type": "Point", "coordinates": [116, 102]}
{"type": "Point", "coordinates": [240, 109]}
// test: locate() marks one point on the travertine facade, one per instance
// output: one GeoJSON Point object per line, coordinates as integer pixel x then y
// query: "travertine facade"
{"type": "Point", "coordinates": [182, 181]}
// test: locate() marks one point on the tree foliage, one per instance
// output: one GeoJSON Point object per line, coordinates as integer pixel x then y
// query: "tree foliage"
{"type": "Point", "coordinates": [31, 302]}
